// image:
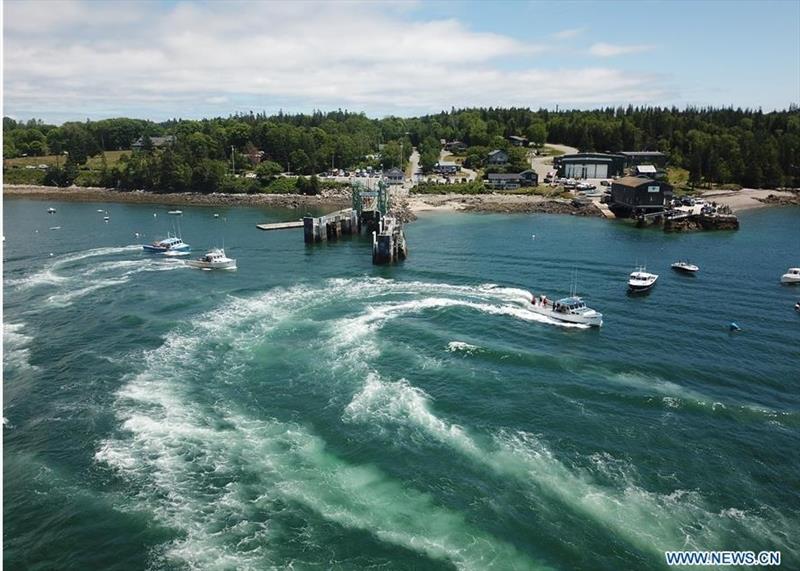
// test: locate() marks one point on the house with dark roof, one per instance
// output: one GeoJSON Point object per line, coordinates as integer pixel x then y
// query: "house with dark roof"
{"type": "Point", "coordinates": [518, 141]}
{"type": "Point", "coordinates": [156, 142]}
{"type": "Point", "coordinates": [445, 167]}
{"type": "Point", "coordinates": [510, 181]}
{"type": "Point", "coordinates": [635, 195]}
{"type": "Point", "coordinates": [394, 176]}
{"type": "Point", "coordinates": [497, 157]}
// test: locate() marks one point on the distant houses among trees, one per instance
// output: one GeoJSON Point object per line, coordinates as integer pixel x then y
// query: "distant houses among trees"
{"type": "Point", "coordinates": [725, 145]}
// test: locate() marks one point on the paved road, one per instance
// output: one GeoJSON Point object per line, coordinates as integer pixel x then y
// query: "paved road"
{"type": "Point", "coordinates": [543, 165]}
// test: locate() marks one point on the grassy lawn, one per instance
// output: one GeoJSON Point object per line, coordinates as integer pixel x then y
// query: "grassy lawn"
{"type": "Point", "coordinates": [112, 157]}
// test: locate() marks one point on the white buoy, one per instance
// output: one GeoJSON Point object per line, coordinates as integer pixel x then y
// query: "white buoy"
{"type": "Point", "coordinates": [533, 236]}
{"type": "Point", "coordinates": [51, 254]}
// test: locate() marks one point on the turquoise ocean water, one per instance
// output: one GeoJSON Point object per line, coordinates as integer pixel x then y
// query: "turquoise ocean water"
{"type": "Point", "coordinates": [312, 411]}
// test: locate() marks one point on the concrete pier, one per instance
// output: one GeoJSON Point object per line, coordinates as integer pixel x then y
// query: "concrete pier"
{"type": "Point", "coordinates": [280, 225]}
{"type": "Point", "coordinates": [370, 212]}
{"type": "Point", "coordinates": [330, 226]}
{"type": "Point", "coordinates": [389, 242]}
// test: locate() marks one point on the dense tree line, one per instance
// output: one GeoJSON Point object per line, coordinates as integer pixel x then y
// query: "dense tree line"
{"type": "Point", "coordinates": [722, 145]}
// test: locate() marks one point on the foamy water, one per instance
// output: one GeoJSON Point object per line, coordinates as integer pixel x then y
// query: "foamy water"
{"type": "Point", "coordinates": [311, 411]}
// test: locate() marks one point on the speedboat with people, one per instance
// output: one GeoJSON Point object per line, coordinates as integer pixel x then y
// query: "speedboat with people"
{"type": "Point", "coordinates": [641, 280]}
{"type": "Point", "coordinates": [169, 244]}
{"type": "Point", "coordinates": [213, 260]}
{"type": "Point", "coordinates": [792, 276]}
{"type": "Point", "coordinates": [685, 266]}
{"type": "Point", "coordinates": [569, 309]}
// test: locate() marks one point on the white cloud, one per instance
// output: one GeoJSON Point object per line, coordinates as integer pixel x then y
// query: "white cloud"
{"type": "Point", "coordinates": [195, 57]}
{"type": "Point", "coordinates": [570, 33]}
{"type": "Point", "coordinates": [609, 50]}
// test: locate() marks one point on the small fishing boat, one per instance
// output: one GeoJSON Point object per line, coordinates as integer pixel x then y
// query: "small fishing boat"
{"type": "Point", "coordinates": [175, 212]}
{"type": "Point", "coordinates": [685, 266]}
{"type": "Point", "coordinates": [100, 210]}
{"type": "Point", "coordinates": [797, 307]}
{"type": "Point", "coordinates": [213, 260]}
{"type": "Point", "coordinates": [169, 244]}
{"type": "Point", "coordinates": [106, 218]}
{"type": "Point", "coordinates": [641, 280]}
{"type": "Point", "coordinates": [51, 210]}
{"type": "Point", "coordinates": [792, 276]}
{"type": "Point", "coordinates": [569, 309]}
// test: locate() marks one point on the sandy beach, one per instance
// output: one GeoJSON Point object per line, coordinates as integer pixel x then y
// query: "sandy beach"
{"type": "Point", "coordinates": [748, 198]}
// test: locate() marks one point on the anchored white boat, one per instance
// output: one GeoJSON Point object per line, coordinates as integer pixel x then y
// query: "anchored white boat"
{"type": "Point", "coordinates": [213, 260]}
{"type": "Point", "coordinates": [792, 276]}
{"type": "Point", "coordinates": [685, 266]}
{"type": "Point", "coordinates": [641, 280]}
{"type": "Point", "coordinates": [570, 309]}
{"type": "Point", "coordinates": [175, 212]}
{"type": "Point", "coordinates": [51, 210]}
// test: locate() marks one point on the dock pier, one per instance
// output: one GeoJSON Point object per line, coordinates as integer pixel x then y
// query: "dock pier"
{"type": "Point", "coordinates": [388, 242]}
{"type": "Point", "coordinates": [369, 213]}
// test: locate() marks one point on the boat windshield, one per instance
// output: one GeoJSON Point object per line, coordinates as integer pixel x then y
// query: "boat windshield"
{"type": "Point", "coordinates": [571, 304]}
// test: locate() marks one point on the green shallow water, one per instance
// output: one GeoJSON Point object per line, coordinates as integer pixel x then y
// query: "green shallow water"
{"type": "Point", "coordinates": [311, 411]}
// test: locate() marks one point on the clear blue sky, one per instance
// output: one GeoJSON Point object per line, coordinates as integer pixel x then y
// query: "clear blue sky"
{"type": "Point", "coordinates": [73, 59]}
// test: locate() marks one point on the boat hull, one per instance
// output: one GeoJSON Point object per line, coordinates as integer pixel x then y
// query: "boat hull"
{"type": "Point", "coordinates": [790, 279]}
{"type": "Point", "coordinates": [686, 269]}
{"type": "Point", "coordinates": [229, 265]}
{"type": "Point", "coordinates": [593, 320]}
{"type": "Point", "coordinates": [637, 288]}
{"type": "Point", "coordinates": [163, 249]}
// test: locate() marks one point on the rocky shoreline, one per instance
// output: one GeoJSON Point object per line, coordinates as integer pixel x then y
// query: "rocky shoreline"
{"type": "Point", "coordinates": [335, 199]}
{"type": "Point", "coordinates": [93, 194]}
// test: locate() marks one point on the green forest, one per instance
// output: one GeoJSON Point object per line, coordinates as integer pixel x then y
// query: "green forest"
{"type": "Point", "coordinates": [716, 145]}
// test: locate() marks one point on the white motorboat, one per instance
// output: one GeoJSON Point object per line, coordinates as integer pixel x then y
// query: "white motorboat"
{"type": "Point", "coordinates": [685, 266]}
{"type": "Point", "coordinates": [641, 280]}
{"type": "Point", "coordinates": [51, 210]}
{"type": "Point", "coordinates": [213, 260]}
{"type": "Point", "coordinates": [569, 309]}
{"type": "Point", "coordinates": [175, 212]}
{"type": "Point", "coordinates": [792, 276]}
